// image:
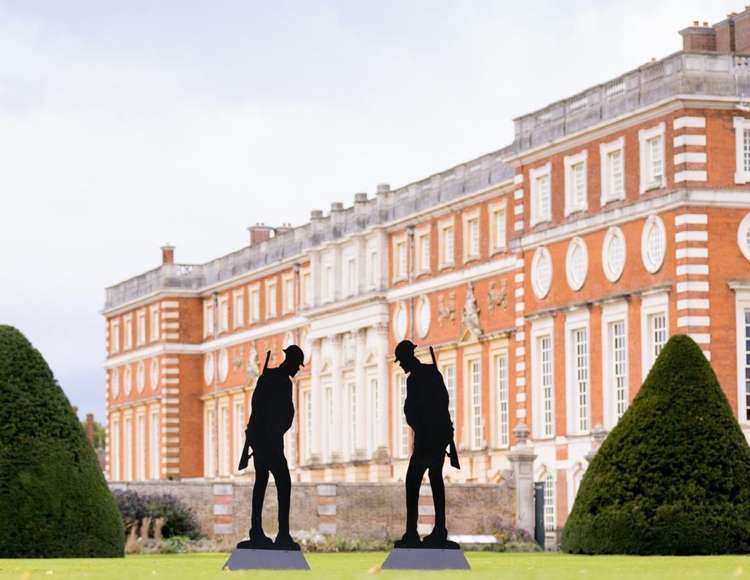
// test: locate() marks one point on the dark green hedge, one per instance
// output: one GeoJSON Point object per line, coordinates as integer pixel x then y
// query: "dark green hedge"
{"type": "Point", "coordinates": [54, 501]}
{"type": "Point", "coordinates": [673, 477]}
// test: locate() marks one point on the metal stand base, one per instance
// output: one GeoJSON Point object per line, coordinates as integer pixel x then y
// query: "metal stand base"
{"type": "Point", "coordinates": [425, 559]}
{"type": "Point", "coordinates": [242, 559]}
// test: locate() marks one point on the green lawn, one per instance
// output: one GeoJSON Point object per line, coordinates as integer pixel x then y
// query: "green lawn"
{"type": "Point", "coordinates": [365, 565]}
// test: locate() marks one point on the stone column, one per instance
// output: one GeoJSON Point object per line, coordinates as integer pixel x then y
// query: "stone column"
{"type": "Point", "coordinates": [522, 458]}
{"type": "Point", "coordinates": [337, 437]}
{"type": "Point", "coordinates": [360, 379]}
{"type": "Point", "coordinates": [318, 417]}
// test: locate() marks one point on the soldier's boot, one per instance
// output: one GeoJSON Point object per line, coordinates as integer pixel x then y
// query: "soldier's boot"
{"type": "Point", "coordinates": [286, 542]}
{"type": "Point", "coordinates": [257, 540]}
{"type": "Point", "coordinates": [409, 540]}
{"type": "Point", "coordinates": [438, 538]}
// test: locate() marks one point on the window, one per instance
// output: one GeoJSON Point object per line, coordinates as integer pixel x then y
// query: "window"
{"type": "Point", "coordinates": [447, 245]}
{"type": "Point", "coordinates": [615, 365]}
{"type": "Point", "coordinates": [743, 236]}
{"type": "Point", "coordinates": [254, 304]}
{"type": "Point", "coordinates": [239, 427]}
{"type": "Point", "coordinates": [114, 336]}
{"type": "Point", "coordinates": [542, 379]}
{"type": "Point", "coordinates": [141, 328]}
{"type": "Point", "coordinates": [352, 388]}
{"type": "Point", "coordinates": [471, 236]}
{"type": "Point", "coordinates": [544, 348]}
{"type": "Point", "coordinates": [424, 253]}
{"type": "Point", "coordinates": [657, 326]}
{"type": "Point", "coordinates": [140, 446]}
{"type": "Point", "coordinates": [306, 289]}
{"type": "Point", "coordinates": [140, 376]}
{"type": "Point", "coordinates": [329, 420]}
{"type": "Point", "coordinates": [497, 227]}
{"type": "Point", "coordinates": [541, 202]}
{"type": "Point", "coordinates": [403, 427]}
{"type": "Point", "coordinates": [373, 269]}
{"type": "Point", "coordinates": [502, 402]}
{"type": "Point", "coordinates": [128, 380]}
{"type": "Point", "coordinates": [449, 376]}
{"type": "Point", "coordinates": [239, 309]}
{"type": "Point", "coordinates": [652, 158]}
{"type": "Point", "coordinates": [210, 444]}
{"type": "Point", "coordinates": [576, 193]}
{"type": "Point", "coordinates": [653, 243]}
{"type": "Point", "coordinates": [128, 445]}
{"type": "Point", "coordinates": [271, 299]}
{"type": "Point", "coordinates": [375, 404]}
{"type": "Point", "coordinates": [327, 283]}
{"type": "Point", "coordinates": [114, 460]}
{"type": "Point", "coordinates": [223, 440]}
{"type": "Point", "coordinates": [115, 382]}
{"type": "Point", "coordinates": [289, 295]}
{"type": "Point", "coordinates": [223, 314]}
{"type": "Point", "coordinates": [307, 424]}
{"type": "Point", "coordinates": [154, 323]}
{"type": "Point", "coordinates": [153, 425]}
{"type": "Point", "coordinates": [128, 333]}
{"type": "Point", "coordinates": [742, 149]}
{"type": "Point", "coordinates": [580, 372]}
{"type": "Point", "coordinates": [402, 260]}
{"type": "Point", "coordinates": [613, 254]}
{"type": "Point", "coordinates": [576, 263]}
{"type": "Point", "coordinates": [549, 502]}
{"type": "Point", "coordinates": [475, 392]}
{"type": "Point", "coordinates": [612, 156]}
{"type": "Point", "coordinates": [208, 318]}
{"type": "Point", "coordinates": [351, 276]}
{"type": "Point", "coordinates": [745, 363]}
{"type": "Point", "coordinates": [541, 272]}
{"type": "Point", "coordinates": [654, 328]}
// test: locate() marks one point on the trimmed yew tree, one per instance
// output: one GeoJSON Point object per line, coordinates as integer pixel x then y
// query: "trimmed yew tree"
{"type": "Point", "coordinates": [54, 501]}
{"type": "Point", "coordinates": [673, 477]}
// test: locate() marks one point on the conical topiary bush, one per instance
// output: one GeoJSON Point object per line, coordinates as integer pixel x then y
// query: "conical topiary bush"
{"type": "Point", "coordinates": [673, 477]}
{"type": "Point", "coordinates": [54, 502]}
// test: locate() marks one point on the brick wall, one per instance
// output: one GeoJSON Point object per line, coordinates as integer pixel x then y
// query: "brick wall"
{"type": "Point", "coordinates": [361, 510]}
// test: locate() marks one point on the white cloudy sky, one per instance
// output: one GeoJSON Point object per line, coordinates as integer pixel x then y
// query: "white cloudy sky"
{"type": "Point", "coordinates": [124, 125]}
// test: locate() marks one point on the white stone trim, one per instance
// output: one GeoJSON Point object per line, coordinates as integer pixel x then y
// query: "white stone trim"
{"type": "Point", "coordinates": [541, 327]}
{"type": "Point", "coordinates": [684, 253]}
{"type": "Point", "coordinates": [612, 312]}
{"type": "Point", "coordinates": [604, 150]}
{"type": "Point", "coordinates": [692, 122]}
{"type": "Point", "coordinates": [696, 140]}
{"type": "Point", "coordinates": [700, 338]}
{"type": "Point", "coordinates": [540, 287]}
{"type": "Point", "coordinates": [692, 286]}
{"type": "Point", "coordinates": [693, 304]}
{"type": "Point", "coordinates": [574, 244]}
{"type": "Point", "coordinates": [743, 236]}
{"type": "Point", "coordinates": [691, 175]}
{"type": "Point", "coordinates": [653, 221]}
{"type": "Point", "coordinates": [691, 218]}
{"type": "Point", "coordinates": [690, 157]}
{"type": "Point", "coordinates": [576, 320]}
{"type": "Point", "coordinates": [518, 194]}
{"type": "Point", "coordinates": [740, 125]}
{"type": "Point", "coordinates": [651, 304]}
{"type": "Point", "coordinates": [645, 135]}
{"type": "Point", "coordinates": [518, 179]}
{"type": "Point", "coordinates": [694, 321]}
{"type": "Point", "coordinates": [742, 303]}
{"type": "Point", "coordinates": [611, 275]}
{"type": "Point", "coordinates": [569, 161]}
{"type": "Point", "coordinates": [697, 269]}
{"type": "Point", "coordinates": [691, 236]}
{"type": "Point", "coordinates": [534, 174]}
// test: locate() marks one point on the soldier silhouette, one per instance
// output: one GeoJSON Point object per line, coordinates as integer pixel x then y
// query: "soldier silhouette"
{"type": "Point", "coordinates": [271, 416]}
{"type": "Point", "coordinates": [426, 410]}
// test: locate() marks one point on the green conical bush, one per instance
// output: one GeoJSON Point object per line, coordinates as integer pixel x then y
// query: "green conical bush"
{"type": "Point", "coordinates": [673, 477]}
{"type": "Point", "coordinates": [54, 501]}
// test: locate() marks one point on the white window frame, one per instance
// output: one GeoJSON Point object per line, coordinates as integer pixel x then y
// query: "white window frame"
{"type": "Point", "coordinates": [743, 236]}
{"type": "Point", "coordinates": [400, 261]}
{"type": "Point", "coordinates": [350, 273]}
{"type": "Point", "coordinates": [423, 242]}
{"type": "Point", "coordinates": [154, 439]}
{"type": "Point", "coordinates": [238, 427]}
{"type": "Point", "coordinates": [224, 442]}
{"type": "Point", "coordinates": [208, 317]}
{"type": "Point", "coordinates": [446, 251]}
{"type": "Point", "coordinates": [575, 284]}
{"type": "Point", "coordinates": [540, 290]}
{"type": "Point", "coordinates": [140, 444]}
{"type": "Point", "coordinates": [445, 362]}
{"type": "Point", "coordinates": [373, 268]}
{"type": "Point", "coordinates": [651, 305]}
{"type": "Point", "coordinates": [154, 322]}
{"type": "Point", "coordinates": [607, 183]}
{"type": "Point", "coordinates": [570, 161]}
{"type": "Point", "coordinates": [537, 215]}
{"type": "Point", "coordinates": [474, 395]}
{"type": "Point", "coordinates": [353, 413]}
{"type": "Point", "coordinates": [611, 313]}
{"type": "Point", "coordinates": [547, 476]}
{"type": "Point", "coordinates": [288, 300]}
{"type": "Point", "coordinates": [271, 306]}
{"type": "Point", "coordinates": [652, 221]}
{"type": "Point", "coordinates": [575, 321]}
{"type": "Point", "coordinates": [223, 313]}
{"type": "Point", "coordinates": [648, 181]}
{"type": "Point", "coordinates": [128, 331]}
{"type": "Point", "coordinates": [114, 441]}
{"type": "Point", "coordinates": [253, 303]}
{"type": "Point", "coordinates": [140, 326]}
{"type": "Point", "coordinates": [496, 214]}
{"type": "Point", "coordinates": [127, 437]}
{"type": "Point", "coordinates": [742, 303]}
{"type": "Point", "coordinates": [741, 175]}
{"type": "Point", "coordinates": [306, 423]}
{"type": "Point", "coordinates": [542, 328]}
{"type": "Point", "coordinates": [402, 428]}
{"type": "Point", "coordinates": [306, 287]}
{"type": "Point", "coordinates": [238, 308]}
{"type": "Point", "coordinates": [209, 442]}
{"type": "Point", "coordinates": [500, 369]}
{"type": "Point", "coordinates": [611, 275]}
{"type": "Point", "coordinates": [114, 336]}
{"type": "Point", "coordinates": [470, 250]}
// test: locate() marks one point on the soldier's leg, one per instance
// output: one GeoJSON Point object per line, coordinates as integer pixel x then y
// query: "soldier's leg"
{"type": "Point", "coordinates": [259, 494]}
{"type": "Point", "coordinates": [414, 475]}
{"type": "Point", "coordinates": [280, 470]}
{"type": "Point", "coordinates": [435, 473]}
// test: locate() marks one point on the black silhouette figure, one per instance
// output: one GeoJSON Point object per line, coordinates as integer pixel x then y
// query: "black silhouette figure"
{"type": "Point", "coordinates": [426, 410]}
{"type": "Point", "coordinates": [272, 415]}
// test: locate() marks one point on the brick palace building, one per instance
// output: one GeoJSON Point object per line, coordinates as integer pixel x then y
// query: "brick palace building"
{"type": "Point", "coordinates": [547, 275]}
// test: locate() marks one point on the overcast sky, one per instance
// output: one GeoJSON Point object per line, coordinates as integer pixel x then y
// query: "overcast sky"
{"type": "Point", "coordinates": [124, 125]}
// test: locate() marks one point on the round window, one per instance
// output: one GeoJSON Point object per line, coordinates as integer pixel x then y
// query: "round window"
{"type": "Point", "coordinates": [208, 368]}
{"type": "Point", "coordinates": [223, 365]}
{"type": "Point", "coordinates": [140, 377]}
{"type": "Point", "coordinates": [115, 382]}
{"type": "Point", "coordinates": [577, 263]}
{"type": "Point", "coordinates": [743, 236]}
{"type": "Point", "coordinates": [541, 272]}
{"type": "Point", "coordinates": [128, 380]}
{"type": "Point", "coordinates": [423, 317]}
{"type": "Point", "coordinates": [400, 322]}
{"type": "Point", "coordinates": [154, 373]}
{"type": "Point", "coordinates": [613, 254]}
{"type": "Point", "coordinates": [653, 243]}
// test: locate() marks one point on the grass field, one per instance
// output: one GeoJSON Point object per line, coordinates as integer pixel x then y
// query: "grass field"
{"type": "Point", "coordinates": [366, 564]}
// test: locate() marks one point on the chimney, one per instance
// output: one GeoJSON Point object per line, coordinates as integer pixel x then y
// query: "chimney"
{"type": "Point", "coordinates": [383, 188]}
{"type": "Point", "coordinates": [259, 233]}
{"type": "Point", "coordinates": [167, 254]}
{"type": "Point", "coordinates": [90, 428]}
{"type": "Point", "coordinates": [698, 38]}
{"type": "Point", "coordinates": [741, 29]}
{"type": "Point", "coordinates": [316, 215]}
{"type": "Point", "coordinates": [282, 229]}
{"type": "Point", "coordinates": [336, 206]}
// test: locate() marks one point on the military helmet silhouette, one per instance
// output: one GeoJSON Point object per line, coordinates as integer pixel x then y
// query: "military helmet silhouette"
{"type": "Point", "coordinates": [405, 350]}
{"type": "Point", "coordinates": [294, 354]}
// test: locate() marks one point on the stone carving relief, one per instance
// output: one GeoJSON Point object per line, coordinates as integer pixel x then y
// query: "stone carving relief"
{"type": "Point", "coordinates": [446, 307]}
{"type": "Point", "coordinates": [471, 313]}
{"type": "Point", "coordinates": [498, 295]}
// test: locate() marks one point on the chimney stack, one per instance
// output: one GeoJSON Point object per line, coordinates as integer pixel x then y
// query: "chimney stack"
{"type": "Point", "coordinates": [90, 428]}
{"type": "Point", "coordinates": [167, 254]}
{"type": "Point", "coordinates": [282, 229]}
{"type": "Point", "coordinates": [259, 233]}
{"type": "Point", "coordinates": [699, 38]}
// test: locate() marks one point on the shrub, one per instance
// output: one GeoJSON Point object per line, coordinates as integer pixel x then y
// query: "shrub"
{"type": "Point", "coordinates": [179, 519]}
{"type": "Point", "coordinates": [673, 477]}
{"type": "Point", "coordinates": [131, 506]}
{"type": "Point", "coordinates": [54, 502]}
